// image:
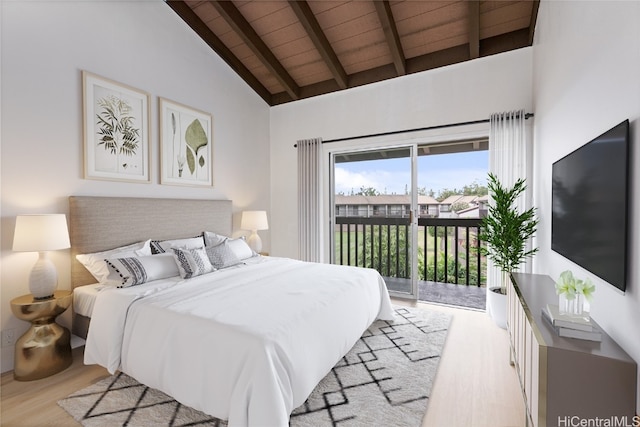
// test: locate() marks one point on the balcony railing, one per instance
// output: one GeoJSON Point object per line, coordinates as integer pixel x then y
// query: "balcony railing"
{"type": "Point", "coordinates": [448, 248]}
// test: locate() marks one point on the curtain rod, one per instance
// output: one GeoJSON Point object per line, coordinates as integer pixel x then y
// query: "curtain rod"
{"type": "Point", "coordinates": [395, 132]}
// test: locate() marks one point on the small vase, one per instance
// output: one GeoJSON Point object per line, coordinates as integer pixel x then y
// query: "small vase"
{"type": "Point", "coordinates": [574, 307]}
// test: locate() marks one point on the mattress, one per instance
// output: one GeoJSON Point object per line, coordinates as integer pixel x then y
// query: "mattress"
{"type": "Point", "coordinates": [84, 297]}
{"type": "Point", "coordinates": [245, 344]}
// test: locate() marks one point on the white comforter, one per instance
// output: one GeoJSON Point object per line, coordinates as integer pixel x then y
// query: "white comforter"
{"type": "Point", "coordinates": [246, 344]}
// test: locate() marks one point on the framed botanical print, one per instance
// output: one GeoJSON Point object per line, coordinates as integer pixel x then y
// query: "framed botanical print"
{"type": "Point", "coordinates": [186, 145]}
{"type": "Point", "coordinates": [116, 130]}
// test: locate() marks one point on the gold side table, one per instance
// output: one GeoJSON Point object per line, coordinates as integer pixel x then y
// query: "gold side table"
{"type": "Point", "coordinates": [45, 349]}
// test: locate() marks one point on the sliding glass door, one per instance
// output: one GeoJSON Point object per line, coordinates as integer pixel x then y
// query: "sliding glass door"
{"type": "Point", "coordinates": [374, 214]}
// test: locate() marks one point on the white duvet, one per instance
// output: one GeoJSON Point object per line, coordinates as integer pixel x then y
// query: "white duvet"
{"type": "Point", "coordinates": [246, 344]}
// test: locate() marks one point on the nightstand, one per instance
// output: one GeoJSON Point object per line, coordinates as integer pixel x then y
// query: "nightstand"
{"type": "Point", "coordinates": [45, 348]}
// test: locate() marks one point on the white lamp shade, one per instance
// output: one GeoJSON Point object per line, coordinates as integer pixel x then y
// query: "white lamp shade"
{"type": "Point", "coordinates": [254, 220]}
{"type": "Point", "coordinates": [36, 233]}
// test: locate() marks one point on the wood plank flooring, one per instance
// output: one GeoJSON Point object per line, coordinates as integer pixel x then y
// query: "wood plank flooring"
{"type": "Point", "coordinates": [475, 386]}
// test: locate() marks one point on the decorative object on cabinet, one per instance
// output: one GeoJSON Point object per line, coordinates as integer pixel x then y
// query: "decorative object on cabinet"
{"type": "Point", "coordinates": [580, 322]}
{"type": "Point", "coordinates": [564, 378]}
{"type": "Point", "coordinates": [45, 349]}
{"type": "Point", "coordinates": [186, 145]}
{"type": "Point", "coordinates": [572, 292]}
{"type": "Point", "coordinates": [41, 233]}
{"type": "Point", "coordinates": [116, 130]}
{"type": "Point", "coordinates": [506, 232]}
{"type": "Point", "coordinates": [254, 221]}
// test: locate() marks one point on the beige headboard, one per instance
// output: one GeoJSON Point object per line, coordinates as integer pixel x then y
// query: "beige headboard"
{"type": "Point", "coordinates": [101, 223]}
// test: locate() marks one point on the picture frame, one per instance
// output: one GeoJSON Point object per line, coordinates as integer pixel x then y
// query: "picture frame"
{"type": "Point", "coordinates": [116, 130]}
{"type": "Point", "coordinates": [186, 145]}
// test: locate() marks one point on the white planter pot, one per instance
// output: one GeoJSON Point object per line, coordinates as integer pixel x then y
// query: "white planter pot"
{"type": "Point", "coordinates": [497, 307]}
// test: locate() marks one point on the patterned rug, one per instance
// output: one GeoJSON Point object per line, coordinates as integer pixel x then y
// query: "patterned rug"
{"type": "Point", "coordinates": [384, 380]}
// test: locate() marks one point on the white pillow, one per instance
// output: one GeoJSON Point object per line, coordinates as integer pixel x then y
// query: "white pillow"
{"type": "Point", "coordinates": [131, 271]}
{"type": "Point", "coordinates": [96, 265]}
{"type": "Point", "coordinates": [213, 239]}
{"type": "Point", "coordinates": [240, 248]}
{"type": "Point", "coordinates": [192, 262]}
{"type": "Point", "coordinates": [161, 246]}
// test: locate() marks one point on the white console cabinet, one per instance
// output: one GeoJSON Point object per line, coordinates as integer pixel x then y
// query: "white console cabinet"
{"type": "Point", "coordinates": [564, 380]}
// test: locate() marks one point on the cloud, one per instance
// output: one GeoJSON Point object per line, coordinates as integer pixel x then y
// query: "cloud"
{"type": "Point", "coordinates": [381, 180]}
{"type": "Point", "coordinates": [451, 178]}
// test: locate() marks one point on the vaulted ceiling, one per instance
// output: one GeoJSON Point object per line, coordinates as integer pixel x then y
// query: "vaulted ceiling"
{"type": "Point", "coordinates": [290, 50]}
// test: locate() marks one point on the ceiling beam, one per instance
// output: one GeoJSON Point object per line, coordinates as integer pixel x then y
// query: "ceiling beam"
{"type": "Point", "coordinates": [193, 20]}
{"type": "Point", "coordinates": [505, 42]}
{"type": "Point", "coordinates": [317, 36]}
{"type": "Point", "coordinates": [474, 29]}
{"type": "Point", "coordinates": [454, 55]}
{"type": "Point", "coordinates": [240, 25]}
{"type": "Point", "coordinates": [534, 18]}
{"type": "Point", "coordinates": [383, 8]}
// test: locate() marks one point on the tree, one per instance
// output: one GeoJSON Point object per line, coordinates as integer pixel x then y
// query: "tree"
{"type": "Point", "coordinates": [422, 191]}
{"type": "Point", "coordinates": [459, 206]}
{"type": "Point", "coordinates": [445, 192]}
{"type": "Point", "coordinates": [367, 191]}
{"type": "Point", "coordinates": [475, 189]}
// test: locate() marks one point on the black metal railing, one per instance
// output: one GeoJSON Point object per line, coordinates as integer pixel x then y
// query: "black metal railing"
{"type": "Point", "coordinates": [448, 248]}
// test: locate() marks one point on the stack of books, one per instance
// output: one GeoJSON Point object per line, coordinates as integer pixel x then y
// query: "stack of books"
{"type": "Point", "coordinates": [572, 326]}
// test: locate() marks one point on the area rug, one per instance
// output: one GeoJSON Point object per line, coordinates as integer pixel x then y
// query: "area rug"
{"type": "Point", "coordinates": [384, 380]}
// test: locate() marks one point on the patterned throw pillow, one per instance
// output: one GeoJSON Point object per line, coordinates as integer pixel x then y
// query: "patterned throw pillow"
{"type": "Point", "coordinates": [192, 262]}
{"type": "Point", "coordinates": [162, 246]}
{"type": "Point", "coordinates": [94, 262]}
{"type": "Point", "coordinates": [222, 255]}
{"type": "Point", "coordinates": [131, 271]}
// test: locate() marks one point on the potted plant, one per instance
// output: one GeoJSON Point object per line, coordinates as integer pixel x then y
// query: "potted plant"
{"type": "Point", "coordinates": [506, 232]}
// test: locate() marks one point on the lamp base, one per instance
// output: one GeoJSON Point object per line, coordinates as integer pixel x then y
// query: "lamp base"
{"type": "Point", "coordinates": [43, 279]}
{"type": "Point", "coordinates": [255, 242]}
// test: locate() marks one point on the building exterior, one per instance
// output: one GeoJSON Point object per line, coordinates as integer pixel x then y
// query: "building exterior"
{"type": "Point", "coordinates": [398, 206]}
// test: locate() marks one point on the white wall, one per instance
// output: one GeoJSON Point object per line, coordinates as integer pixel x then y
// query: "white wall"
{"type": "Point", "coordinates": [45, 45]}
{"type": "Point", "coordinates": [586, 80]}
{"type": "Point", "coordinates": [458, 93]}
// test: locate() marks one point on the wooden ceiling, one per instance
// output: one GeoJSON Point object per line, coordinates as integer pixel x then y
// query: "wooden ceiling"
{"type": "Point", "coordinates": [290, 50]}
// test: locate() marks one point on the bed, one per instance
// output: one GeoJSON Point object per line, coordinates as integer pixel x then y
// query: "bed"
{"type": "Point", "coordinates": [246, 343]}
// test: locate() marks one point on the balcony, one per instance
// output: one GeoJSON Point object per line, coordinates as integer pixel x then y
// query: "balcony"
{"type": "Point", "coordinates": [451, 269]}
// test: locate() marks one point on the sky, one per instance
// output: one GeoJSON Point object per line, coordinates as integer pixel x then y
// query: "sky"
{"type": "Point", "coordinates": [435, 172]}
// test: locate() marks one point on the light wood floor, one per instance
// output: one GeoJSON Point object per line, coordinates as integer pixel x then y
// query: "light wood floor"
{"type": "Point", "coordinates": [475, 385]}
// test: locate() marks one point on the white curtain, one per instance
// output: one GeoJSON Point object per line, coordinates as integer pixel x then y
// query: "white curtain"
{"type": "Point", "coordinates": [509, 160]}
{"type": "Point", "coordinates": [309, 199]}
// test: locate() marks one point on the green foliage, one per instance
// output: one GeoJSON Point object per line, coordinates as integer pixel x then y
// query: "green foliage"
{"type": "Point", "coordinates": [450, 267]}
{"type": "Point", "coordinates": [440, 231]}
{"type": "Point", "coordinates": [389, 246]}
{"type": "Point", "coordinates": [367, 191]}
{"type": "Point", "coordinates": [116, 126]}
{"type": "Point", "coordinates": [422, 191]}
{"type": "Point", "coordinates": [459, 206]}
{"type": "Point", "coordinates": [504, 229]}
{"type": "Point", "coordinates": [475, 189]}
{"type": "Point", "coordinates": [394, 263]}
{"type": "Point", "coordinates": [446, 192]}
{"type": "Point", "coordinates": [196, 138]}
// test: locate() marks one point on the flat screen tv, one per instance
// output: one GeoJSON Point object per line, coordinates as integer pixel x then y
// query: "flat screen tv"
{"type": "Point", "coordinates": [590, 205]}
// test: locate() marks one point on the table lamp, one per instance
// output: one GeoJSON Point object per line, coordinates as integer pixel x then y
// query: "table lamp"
{"type": "Point", "coordinates": [41, 233]}
{"type": "Point", "coordinates": [254, 221]}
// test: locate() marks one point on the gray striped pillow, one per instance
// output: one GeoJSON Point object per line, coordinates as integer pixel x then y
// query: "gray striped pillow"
{"type": "Point", "coordinates": [192, 262]}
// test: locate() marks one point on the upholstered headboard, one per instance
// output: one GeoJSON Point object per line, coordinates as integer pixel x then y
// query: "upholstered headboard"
{"type": "Point", "coordinates": [101, 223]}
